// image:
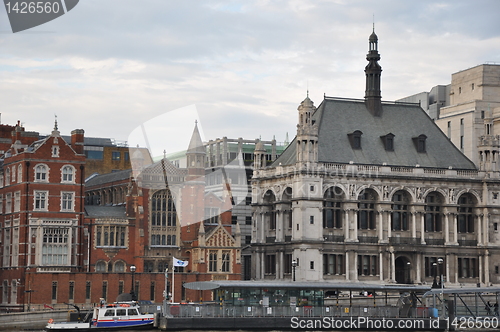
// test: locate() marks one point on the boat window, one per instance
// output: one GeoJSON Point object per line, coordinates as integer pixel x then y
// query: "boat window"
{"type": "Point", "coordinates": [132, 312]}
{"type": "Point", "coordinates": [121, 312]}
{"type": "Point", "coordinates": [110, 312]}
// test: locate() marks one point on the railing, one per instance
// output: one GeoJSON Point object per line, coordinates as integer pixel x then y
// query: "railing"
{"type": "Point", "coordinates": [434, 242]}
{"type": "Point", "coordinates": [404, 240]}
{"type": "Point", "coordinates": [467, 243]}
{"type": "Point", "coordinates": [213, 310]}
{"type": "Point", "coordinates": [334, 238]}
{"type": "Point", "coordinates": [368, 239]}
{"type": "Point", "coordinates": [270, 239]}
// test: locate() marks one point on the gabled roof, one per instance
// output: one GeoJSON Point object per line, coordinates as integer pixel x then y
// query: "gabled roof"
{"type": "Point", "coordinates": [109, 177]}
{"type": "Point", "coordinates": [336, 118]}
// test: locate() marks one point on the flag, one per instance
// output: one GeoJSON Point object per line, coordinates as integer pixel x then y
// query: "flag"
{"type": "Point", "coordinates": [48, 306]}
{"type": "Point", "coordinates": [178, 262]}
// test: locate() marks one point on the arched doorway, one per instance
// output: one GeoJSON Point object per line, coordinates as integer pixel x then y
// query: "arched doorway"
{"type": "Point", "coordinates": [403, 270]}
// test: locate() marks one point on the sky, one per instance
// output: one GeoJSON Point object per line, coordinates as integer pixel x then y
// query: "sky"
{"type": "Point", "coordinates": [126, 68]}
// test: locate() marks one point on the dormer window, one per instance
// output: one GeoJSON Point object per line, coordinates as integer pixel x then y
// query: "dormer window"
{"type": "Point", "coordinates": [55, 151]}
{"type": "Point", "coordinates": [388, 141]}
{"type": "Point", "coordinates": [355, 139]}
{"type": "Point", "coordinates": [420, 144]}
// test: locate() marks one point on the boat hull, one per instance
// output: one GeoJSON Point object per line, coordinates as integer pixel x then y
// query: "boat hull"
{"type": "Point", "coordinates": [74, 326]}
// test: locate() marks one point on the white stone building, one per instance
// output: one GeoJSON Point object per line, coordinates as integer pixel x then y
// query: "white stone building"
{"type": "Point", "coordinates": [373, 191]}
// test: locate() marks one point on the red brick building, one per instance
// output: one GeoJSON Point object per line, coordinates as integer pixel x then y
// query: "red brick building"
{"type": "Point", "coordinates": [41, 190]}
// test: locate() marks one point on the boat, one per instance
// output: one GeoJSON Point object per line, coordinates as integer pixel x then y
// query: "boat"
{"type": "Point", "coordinates": [112, 316]}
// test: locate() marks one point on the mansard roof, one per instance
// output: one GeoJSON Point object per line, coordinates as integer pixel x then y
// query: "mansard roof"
{"type": "Point", "coordinates": [109, 178]}
{"type": "Point", "coordinates": [336, 118]}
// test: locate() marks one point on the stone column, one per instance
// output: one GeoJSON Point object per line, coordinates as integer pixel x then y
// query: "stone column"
{"type": "Point", "coordinates": [393, 267]}
{"type": "Point", "coordinates": [388, 223]}
{"type": "Point", "coordinates": [446, 228]}
{"type": "Point", "coordinates": [355, 267]}
{"type": "Point", "coordinates": [418, 258]}
{"type": "Point", "coordinates": [413, 224]}
{"type": "Point", "coordinates": [487, 268]}
{"type": "Point", "coordinates": [481, 269]}
{"type": "Point", "coordinates": [381, 265]}
{"type": "Point", "coordinates": [380, 226]}
{"type": "Point", "coordinates": [347, 277]}
{"type": "Point", "coordinates": [447, 271]}
{"type": "Point", "coordinates": [455, 228]}
{"type": "Point", "coordinates": [486, 224]}
{"type": "Point", "coordinates": [346, 227]}
{"type": "Point", "coordinates": [355, 230]}
{"type": "Point", "coordinates": [279, 265]}
{"type": "Point", "coordinates": [480, 229]}
{"type": "Point", "coordinates": [422, 227]}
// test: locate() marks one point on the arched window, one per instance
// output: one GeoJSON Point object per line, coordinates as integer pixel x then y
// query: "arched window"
{"type": "Point", "coordinates": [119, 267]}
{"type": "Point", "coordinates": [366, 209]}
{"type": "Point", "coordinates": [433, 220]}
{"type": "Point", "coordinates": [7, 176]}
{"type": "Point", "coordinates": [270, 202]}
{"type": "Point", "coordinates": [41, 173]}
{"type": "Point", "coordinates": [68, 173]}
{"type": "Point", "coordinates": [19, 173]}
{"type": "Point", "coordinates": [287, 208]}
{"type": "Point", "coordinates": [400, 212]}
{"type": "Point", "coordinates": [332, 208]}
{"type": "Point", "coordinates": [466, 204]}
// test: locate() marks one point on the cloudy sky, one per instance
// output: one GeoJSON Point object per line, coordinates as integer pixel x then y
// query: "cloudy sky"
{"type": "Point", "coordinates": [238, 67]}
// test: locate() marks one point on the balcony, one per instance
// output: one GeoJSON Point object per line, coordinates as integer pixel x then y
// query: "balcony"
{"type": "Point", "coordinates": [467, 243]}
{"type": "Point", "coordinates": [334, 238]}
{"type": "Point", "coordinates": [270, 239]}
{"type": "Point", "coordinates": [404, 240]}
{"type": "Point", "coordinates": [434, 242]}
{"type": "Point", "coordinates": [368, 239]}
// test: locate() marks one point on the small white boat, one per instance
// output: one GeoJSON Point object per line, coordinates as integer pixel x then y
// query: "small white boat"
{"type": "Point", "coordinates": [118, 315]}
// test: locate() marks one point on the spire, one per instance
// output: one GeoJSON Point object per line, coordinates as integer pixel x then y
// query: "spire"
{"type": "Point", "coordinates": [373, 72]}
{"type": "Point", "coordinates": [196, 144]}
{"type": "Point", "coordinates": [55, 122]}
{"type": "Point", "coordinates": [55, 132]}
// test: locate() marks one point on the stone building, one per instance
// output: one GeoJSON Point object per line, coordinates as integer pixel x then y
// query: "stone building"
{"type": "Point", "coordinates": [373, 191]}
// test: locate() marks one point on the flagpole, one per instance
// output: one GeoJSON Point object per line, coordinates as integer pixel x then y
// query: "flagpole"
{"type": "Point", "coordinates": [173, 274]}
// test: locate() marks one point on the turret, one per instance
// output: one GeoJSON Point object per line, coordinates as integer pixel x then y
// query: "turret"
{"type": "Point", "coordinates": [373, 71]}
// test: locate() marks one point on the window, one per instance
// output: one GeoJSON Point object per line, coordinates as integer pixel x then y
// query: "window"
{"type": "Point", "coordinates": [54, 290]}
{"type": "Point", "coordinates": [226, 261]}
{"type": "Point", "coordinates": [121, 287]}
{"type": "Point", "coordinates": [355, 139]}
{"type": "Point", "coordinates": [431, 266]}
{"type": "Point", "coordinates": [270, 264]}
{"type": "Point", "coordinates": [400, 213]}
{"type": "Point", "coordinates": [41, 203]}
{"type": "Point", "coordinates": [13, 173]}
{"type": "Point", "coordinates": [151, 291]}
{"type": "Point", "coordinates": [126, 156]}
{"type": "Point", "coordinates": [67, 201]}
{"type": "Point", "coordinates": [420, 143]}
{"type": "Point", "coordinates": [287, 264]}
{"type": "Point", "coordinates": [472, 86]}
{"type": "Point", "coordinates": [311, 220]}
{"type": "Point", "coordinates": [270, 214]}
{"type": "Point", "coordinates": [433, 221]}
{"type": "Point", "coordinates": [367, 265]}
{"type": "Point", "coordinates": [148, 266]}
{"type": "Point", "coordinates": [104, 293]}
{"type": "Point", "coordinates": [17, 201]}
{"type": "Point", "coordinates": [248, 200]}
{"type": "Point", "coordinates": [234, 219]}
{"type": "Point", "coordinates": [163, 215]}
{"type": "Point", "coordinates": [110, 235]}
{"type": "Point", "coordinates": [333, 264]}
{"type": "Point", "coordinates": [19, 173]}
{"type": "Point", "coordinates": [68, 174]}
{"type": "Point", "coordinates": [71, 290]}
{"type": "Point", "coordinates": [119, 267]}
{"type": "Point", "coordinates": [8, 203]}
{"type": "Point", "coordinates": [55, 151]}
{"type": "Point", "coordinates": [332, 208]}
{"type": "Point", "coordinates": [366, 209]}
{"type": "Point", "coordinates": [467, 267]}
{"type": "Point", "coordinates": [7, 176]}
{"type": "Point", "coordinates": [388, 141]}
{"type": "Point", "coordinates": [101, 266]}
{"type": "Point", "coordinates": [55, 246]}
{"type": "Point", "coordinates": [449, 129]}
{"type": "Point", "coordinates": [465, 214]}
{"type": "Point", "coordinates": [115, 155]}
{"type": "Point", "coordinates": [212, 261]}
{"type": "Point", "coordinates": [41, 173]}
{"type": "Point", "coordinates": [87, 290]}
{"type": "Point", "coordinates": [311, 265]}
{"type": "Point", "coordinates": [96, 155]}
{"type": "Point", "coordinates": [248, 220]}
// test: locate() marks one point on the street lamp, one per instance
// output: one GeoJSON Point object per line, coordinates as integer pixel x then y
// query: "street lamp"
{"type": "Point", "coordinates": [132, 292]}
{"type": "Point", "coordinates": [434, 283]}
{"type": "Point", "coordinates": [165, 292]}
{"type": "Point", "coordinates": [440, 263]}
{"type": "Point", "coordinates": [294, 265]}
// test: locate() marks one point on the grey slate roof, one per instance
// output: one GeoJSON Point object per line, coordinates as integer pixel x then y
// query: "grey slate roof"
{"type": "Point", "coordinates": [338, 117]}
{"type": "Point", "coordinates": [109, 177]}
{"type": "Point", "coordinates": [96, 211]}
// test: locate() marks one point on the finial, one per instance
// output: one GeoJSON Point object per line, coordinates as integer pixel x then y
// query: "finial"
{"type": "Point", "coordinates": [195, 122]}
{"type": "Point", "coordinates": [164, 154]}
{"type": "Point", "coordinates": [373, 22]}
{"type": "Point", "coordinates": [55, 122]}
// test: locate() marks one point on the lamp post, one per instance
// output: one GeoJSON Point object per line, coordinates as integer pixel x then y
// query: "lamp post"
{"type": "Point", "coordinates": [294, 265]}
{"type": "Point", "coordinates": [165, 292]}
{"type": "Point", "coordinates": [132, 292]}
{"type": "Point", "coordinates": [441, 282]}
{"type": "Point", "coordinates": [434, 283]}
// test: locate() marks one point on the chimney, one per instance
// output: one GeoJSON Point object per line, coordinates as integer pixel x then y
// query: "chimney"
{"type": "Point", "coordinates": [77, 140]}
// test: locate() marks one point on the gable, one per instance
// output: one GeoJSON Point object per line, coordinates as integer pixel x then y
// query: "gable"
{"type": "Point", "coordinates": [220, 238]}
